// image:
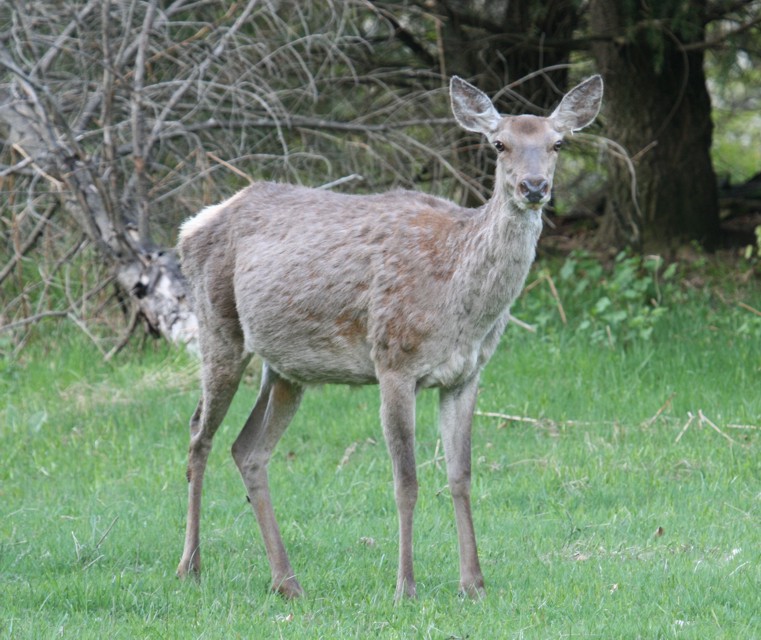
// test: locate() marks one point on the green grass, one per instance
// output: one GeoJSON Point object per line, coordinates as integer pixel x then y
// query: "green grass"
{"type": "Point", "coordinates": [567, 507]}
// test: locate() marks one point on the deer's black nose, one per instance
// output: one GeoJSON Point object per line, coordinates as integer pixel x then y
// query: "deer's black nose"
{"type": "Point", "coordinates": [534, 189]}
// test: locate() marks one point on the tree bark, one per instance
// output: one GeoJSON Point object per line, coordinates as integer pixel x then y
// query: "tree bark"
{"type": "Point", "coordinates": [657, 106]}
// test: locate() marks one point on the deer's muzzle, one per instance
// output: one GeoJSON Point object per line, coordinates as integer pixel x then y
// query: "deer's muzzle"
{"type": "Point", "coordinates": [534, 190]}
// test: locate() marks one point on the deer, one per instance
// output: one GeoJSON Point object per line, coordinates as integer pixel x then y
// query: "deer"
{"type": "Point", "coordinates": [400, 289]}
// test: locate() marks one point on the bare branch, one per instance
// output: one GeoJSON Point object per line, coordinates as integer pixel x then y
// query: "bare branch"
{"type": "Point", "coordinates": [29, 242]}
{"type": "Point", "coordinates": [44, 63]}
{"type": "Point", "coordinates": [34, 319]}
{"type": "Point", "coordinates": [723, 37]}
{"type": "Point", "coordinates": [138, 133]}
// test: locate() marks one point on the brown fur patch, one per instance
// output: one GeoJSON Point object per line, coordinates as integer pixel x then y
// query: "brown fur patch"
{"type": "Point", "coordinates": [527, 125]}
{"type": "Point", "coordinates": [351, 327]}
{"type": "Point", "coordinates": [433, 231]}
{"type": "Point", "coordinates": [281, 393]}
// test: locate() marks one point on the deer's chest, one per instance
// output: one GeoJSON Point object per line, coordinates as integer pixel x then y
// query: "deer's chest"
{"type": "Point", "coordinates": [463, 358]}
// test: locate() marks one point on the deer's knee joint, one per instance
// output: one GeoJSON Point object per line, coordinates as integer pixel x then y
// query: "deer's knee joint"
{"type": "Point", "coordinates": [252, 468]}
{"type": "Point", "coordinates": [459, 485]}
{"type": "Point", "coordinates": [407, 492]}
{"type": "Point", "coordinates": [200, 444]}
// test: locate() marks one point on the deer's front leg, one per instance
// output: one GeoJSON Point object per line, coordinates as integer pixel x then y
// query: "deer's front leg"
{"type": "Point", "coordinates": [455, 418]}
{"type": "Point", "coordinates": [398, 418]}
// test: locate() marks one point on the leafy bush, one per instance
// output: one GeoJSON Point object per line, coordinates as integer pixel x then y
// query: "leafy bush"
{"type": "Point", "coordinates": [611, 305]}
{"type": "Point", "coordinates": [753, 252]}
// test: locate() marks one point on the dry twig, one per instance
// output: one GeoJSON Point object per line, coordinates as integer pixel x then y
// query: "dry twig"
{"type": "Point", "coordinates": [690, 420]}
{"type": "Point", "coordinates": [710, 423]}
{"type": "Point", "coordinates": [649, 422]}
{"type": "Point", "coordinates": [747, 307]}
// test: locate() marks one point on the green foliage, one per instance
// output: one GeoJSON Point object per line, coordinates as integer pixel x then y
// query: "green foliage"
{"type": "Point", "coordinates": [612, 305]}
{"type": "Point", "coordinates": [753, 251]}
{"type": "Point", "coordinates": [736, 153]}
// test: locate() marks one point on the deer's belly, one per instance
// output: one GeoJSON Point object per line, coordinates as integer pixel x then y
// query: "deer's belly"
{"type": "Point", "coordinates": [331, 362]}
{"type": "Point", "coordinates": [459, 367]}
{"type": "Point", "coordinates": [308, 357]}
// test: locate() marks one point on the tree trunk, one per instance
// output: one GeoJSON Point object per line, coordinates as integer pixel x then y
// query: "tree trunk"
{"type": "Point", "coordinates": [657, 106]}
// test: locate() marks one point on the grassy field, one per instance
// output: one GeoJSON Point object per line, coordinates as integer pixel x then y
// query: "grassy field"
{"type": "Point", "coordinates": [617, 494]}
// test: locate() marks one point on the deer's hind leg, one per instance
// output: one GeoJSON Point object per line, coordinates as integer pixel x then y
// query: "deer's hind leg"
{"type": "Point", "coordinates": [223, 361]}
{"type": "Point", "coordinates": [275, 407]}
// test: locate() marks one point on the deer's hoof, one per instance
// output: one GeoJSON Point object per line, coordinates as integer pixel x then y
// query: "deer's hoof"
{"type": "Point", "coordinates": [473, 590]}
{"type": "Point", "coordinates": [189, 569]}
{"type": "Point", "coordinates": [405, 591]}
{"type": "Point", "coordinates": [289, 588]}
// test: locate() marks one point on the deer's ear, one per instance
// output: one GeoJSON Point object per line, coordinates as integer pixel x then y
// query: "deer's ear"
{"type": "Point", "coordinates": [579, 107]}
{"type": "Point", "coordinates": [472, 108]}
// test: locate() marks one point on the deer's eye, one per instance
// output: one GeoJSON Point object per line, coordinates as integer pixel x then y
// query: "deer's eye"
{"type": "Point", "coordinates": [499, 146]}
{"type": "Point", "coordinates": [558, 145]}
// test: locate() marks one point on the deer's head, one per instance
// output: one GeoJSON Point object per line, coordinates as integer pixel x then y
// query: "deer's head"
{"type": "Point", "coordinates": [527, 145]}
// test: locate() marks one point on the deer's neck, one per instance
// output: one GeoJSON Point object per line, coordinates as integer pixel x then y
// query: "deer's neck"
{"type": "Point", "coordinates": [509, 235]}
{"type": "Point", "coordinates": [500, 251]}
